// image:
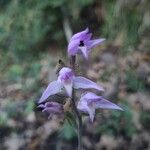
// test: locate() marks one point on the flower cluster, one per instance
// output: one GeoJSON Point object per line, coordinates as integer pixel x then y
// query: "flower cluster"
{"type": "Point", "coordinates": [80, 43]}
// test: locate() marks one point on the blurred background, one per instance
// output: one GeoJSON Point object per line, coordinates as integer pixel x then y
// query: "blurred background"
{"type": "Point", "coordinates": [34, 35]}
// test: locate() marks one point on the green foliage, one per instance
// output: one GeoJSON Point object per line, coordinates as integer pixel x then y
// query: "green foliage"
{"type": "Point", "coordinates": [122, 17]}
{"type": "Point", "coordinates": [133, 20]}
{"type": "Point", "coordinates": [13, 111]}
{"type": "Point", "coordinates": [68, 129]}
{"type": "Point", "coordinates": [16, 111]}
{"type": "Point", "coordinates": [29, 107]}
{"type": "Point", "coordinates": [145, 119]}
{"type": "Point", "coordinates": [67, 132]}
{"type": "Point", "coordinates": [34, 69]}
{"type": "Point", "coordinates": [22, 27]}
{"type": "Point", "coordinates": [14, 73]}
{"type": "Point", "coordinates": [133, 82]}
{"type": "Point", "coordinates": [109, 29]}
{"type": "Point", "coordinates": [118, 123]}
{"type": "Point", "coordinates": [3, 119]}
{"type": "Point", "coordinates": [26, 27]}
{"type": "Point", "coordinates": [106, 76]}
{"type": "Point", "coordinates": [71, 119]}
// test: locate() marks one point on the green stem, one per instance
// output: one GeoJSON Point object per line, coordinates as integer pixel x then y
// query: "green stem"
{"type": "Point", "coordinates": [79, 117]}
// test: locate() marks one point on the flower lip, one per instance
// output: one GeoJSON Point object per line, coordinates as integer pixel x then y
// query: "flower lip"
{"type": "Point", "coordinates": [51, 108]}
{"type": "Point", "coordinates": [52, 104]}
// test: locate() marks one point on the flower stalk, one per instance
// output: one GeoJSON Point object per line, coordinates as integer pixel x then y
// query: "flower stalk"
{"type": "Point", "coordinates": [69, 82]}
{"type": "Point", "coordinates": [79, 117]}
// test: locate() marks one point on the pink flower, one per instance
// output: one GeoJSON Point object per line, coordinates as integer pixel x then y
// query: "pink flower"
{"type": "Point", "coordinates": [81, 43]}
{"type": "Point", "coordinates": [67, 80]}
{"type": "Point", "coordinates": [89, 102]}
{"type": "Point", "coordinates": [52, 108]}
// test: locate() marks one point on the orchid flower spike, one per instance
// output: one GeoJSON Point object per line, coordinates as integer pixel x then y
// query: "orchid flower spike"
{"type": "Point", "coordinates": [81, 43]}
{"type": "Point", "coordinates": [67, 80]}
{"type": "Point", "coordinates": [89, 102]}
{"type": "Point", "coordinates": [52, 108]}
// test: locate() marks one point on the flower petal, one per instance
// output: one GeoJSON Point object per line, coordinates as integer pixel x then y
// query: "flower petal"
{"type": "Point", "coordinates": [105, 104]}
{"type": "Point", "coordinates": [53, 110]}
{"type": "Point", "coordinates": [91, 112]}
{"type": "Point", "coordinates": [52, 104]}
{"type": "Point", "coordinates": [65, 70]}
{"type": "Point", "coordinates": [90, 95]}
{"type": "Point", "coordinates": [92, 43]}
{"type": "Point", "coordinates": [84, 107]}
{"type": "Point", "coordinates": [41, 106]}
{"type": "Point", "coordinates": [73, 47]}
{"type": "Point", "coordinates": [53, 88]}
{"type": "Point", "coordinates": [84, 51]}
{"type": "Point", "coordinates": [68, 87]}
{"type": "Point", "coordinates": [87, 37]}
{"type": "Point", "coordinates": [84, 83]}
{"type": "Point", "coordinates": [80, 34]}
